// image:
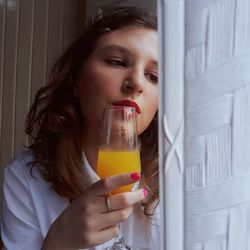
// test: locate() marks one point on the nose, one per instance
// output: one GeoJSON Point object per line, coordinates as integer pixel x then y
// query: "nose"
{"type": "Point", "coordinates": [134, 81]}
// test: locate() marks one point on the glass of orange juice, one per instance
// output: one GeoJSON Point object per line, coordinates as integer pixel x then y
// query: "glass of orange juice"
{"type": "Point", "coordinates": [119, 148]}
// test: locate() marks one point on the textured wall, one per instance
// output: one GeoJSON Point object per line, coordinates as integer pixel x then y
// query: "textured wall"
{"type": "Point", "coordinates": [33, 34]}
{"type": "Point", "coordinates": [217, 125]}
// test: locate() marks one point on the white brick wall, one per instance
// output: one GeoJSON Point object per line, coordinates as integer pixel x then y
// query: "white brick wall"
{"type": "Point", "coordinates": [217, 116]}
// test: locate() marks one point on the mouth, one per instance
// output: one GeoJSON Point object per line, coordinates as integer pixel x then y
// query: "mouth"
{"type": "Point", "coordinates": [128, 103]}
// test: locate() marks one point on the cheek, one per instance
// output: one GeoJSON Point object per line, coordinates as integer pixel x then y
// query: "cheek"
{"type": "Point", "coordinates": [144, 121]}
{"type": "Point", "coordinates": [151, 109]}
{"type": "Point", "coordinates": [89, 85]}
{"type": "Point", "coordinates": [95, 91]}
{"type": "Point", "coordinates": [152, 104]}
{"type": "Point", "coordinates": [89, 80]}
{"type": "Point", "coordinates": [98, 82]}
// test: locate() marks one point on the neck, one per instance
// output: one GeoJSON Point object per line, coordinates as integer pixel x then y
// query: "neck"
{"type": "Point", "coordinates": [90, 144]}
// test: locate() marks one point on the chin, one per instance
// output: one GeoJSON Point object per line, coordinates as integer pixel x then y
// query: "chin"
{"type": "Point", "coordinates": [142, 126]}
{"type": "Point", "coordinates": [141, 130]}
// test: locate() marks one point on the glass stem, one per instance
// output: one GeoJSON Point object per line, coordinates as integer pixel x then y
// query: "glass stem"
{"type": "Point", "coordinates": [119, 236]}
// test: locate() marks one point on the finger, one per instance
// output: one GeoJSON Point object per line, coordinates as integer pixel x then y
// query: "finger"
{"type": "Point", "coordinates": [108, 184]}
{"type": "Point", "coordinates": [119, 201]}
{"type": "Point", "coordinates": [114, 217]}
{"type": "Point", "coordinates": [128, 199]}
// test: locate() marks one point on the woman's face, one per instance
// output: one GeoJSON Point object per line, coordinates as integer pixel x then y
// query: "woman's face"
{"type": "Point", "coordinates": [121, 69]}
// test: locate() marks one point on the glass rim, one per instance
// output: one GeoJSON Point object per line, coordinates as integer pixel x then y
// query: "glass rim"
{"type": "Point", "coordinates": [112, 107]}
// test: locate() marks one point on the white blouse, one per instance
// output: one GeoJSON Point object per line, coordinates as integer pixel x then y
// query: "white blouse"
{"type": "Point", "coordinates": [30, 206]}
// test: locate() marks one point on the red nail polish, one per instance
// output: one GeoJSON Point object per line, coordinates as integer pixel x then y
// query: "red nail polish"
{"type": "Point", "coordinates": [135, 176]}
{"type": "Point", "coordinates": [145, 192]}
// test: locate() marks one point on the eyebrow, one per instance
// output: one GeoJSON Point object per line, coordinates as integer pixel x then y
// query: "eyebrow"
{"type": "Point", "coordinates": [122, 50]}
{"type": "Point", "coordinates": [116, 48]}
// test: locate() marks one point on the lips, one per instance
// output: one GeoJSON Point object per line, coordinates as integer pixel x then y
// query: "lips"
{"type": "Point", "coordinates": [128, 103]}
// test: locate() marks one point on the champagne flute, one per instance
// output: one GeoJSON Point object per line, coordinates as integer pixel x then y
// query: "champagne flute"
{"type": "Point", "coordinates": [119, 151]}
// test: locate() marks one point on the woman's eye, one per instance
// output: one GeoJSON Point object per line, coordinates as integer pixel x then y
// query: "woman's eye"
{"type": "Point", "coordinates": [116, 62]}
{"type": "Point", "coordinates": [152, 77]}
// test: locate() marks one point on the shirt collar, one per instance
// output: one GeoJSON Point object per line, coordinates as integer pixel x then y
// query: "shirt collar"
{"type": "Point", "coordinates": [93, 177]}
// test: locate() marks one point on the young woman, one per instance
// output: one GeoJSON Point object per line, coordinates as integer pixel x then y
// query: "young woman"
{"type": "Point", "coordinates": [53, 198]}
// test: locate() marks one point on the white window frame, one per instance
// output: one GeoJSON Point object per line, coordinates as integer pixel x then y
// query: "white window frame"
{"type": "Point", "coordinates": [171, 23]}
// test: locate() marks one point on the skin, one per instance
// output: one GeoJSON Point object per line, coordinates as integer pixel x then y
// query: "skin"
{"type": "Point", "coordinates": [122, 66]}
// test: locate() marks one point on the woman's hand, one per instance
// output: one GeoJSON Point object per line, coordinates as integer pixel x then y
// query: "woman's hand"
{"type": "Point", "coordinates": [86, 222]}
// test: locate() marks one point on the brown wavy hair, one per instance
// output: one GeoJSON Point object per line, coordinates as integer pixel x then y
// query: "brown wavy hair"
{"type": "Point", "coordinates": [54, 121]}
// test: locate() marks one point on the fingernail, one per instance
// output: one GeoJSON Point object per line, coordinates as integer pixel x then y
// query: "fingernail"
{"type": "Point", "coordinates": [145, 192]}
{"type": "Point", "coordinates": [135, 176]}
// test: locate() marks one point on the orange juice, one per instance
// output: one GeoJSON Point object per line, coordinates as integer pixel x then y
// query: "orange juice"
{"type": "Point", "coordinates": [118, 162]}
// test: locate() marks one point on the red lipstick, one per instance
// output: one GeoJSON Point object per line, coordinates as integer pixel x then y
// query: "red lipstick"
{"type": "Point", "coordinates": [128, 103]}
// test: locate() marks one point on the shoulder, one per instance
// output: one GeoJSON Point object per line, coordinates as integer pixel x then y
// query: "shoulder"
{"type": "Point", "coordinates": [19, 168]}
{"type": "Point", "coordinates": [20, 222]}
{"type": "Point", "coordinates": [23, 158]}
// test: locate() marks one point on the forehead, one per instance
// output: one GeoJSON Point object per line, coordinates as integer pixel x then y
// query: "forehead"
{"type": "Point", "coordinates": [132, 38]}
